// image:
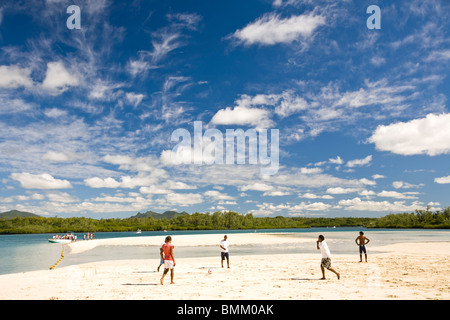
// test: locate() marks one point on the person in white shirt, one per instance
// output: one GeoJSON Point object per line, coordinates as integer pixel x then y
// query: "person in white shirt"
{"type": "Point", "coordinates": [224, 250]}
{"type": "Point", "coordinates": [326, 257]}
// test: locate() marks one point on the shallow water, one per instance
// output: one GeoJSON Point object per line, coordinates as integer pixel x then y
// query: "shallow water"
{"type": "Point", "coordinates": [21, 253]}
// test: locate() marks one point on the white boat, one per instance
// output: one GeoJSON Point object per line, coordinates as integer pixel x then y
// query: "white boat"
{"type": "Point", "coordinates": [60, 240]}
{"type": "Point", "coordinates": [68, 238]}
{"type": "Point", "coordinates": [138, 231]}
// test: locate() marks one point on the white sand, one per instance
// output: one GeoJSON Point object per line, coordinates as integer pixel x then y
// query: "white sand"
{"type": "Point", "coordinates": [190, 240]}
{"type": "Point", "coordinates": [412, 272]}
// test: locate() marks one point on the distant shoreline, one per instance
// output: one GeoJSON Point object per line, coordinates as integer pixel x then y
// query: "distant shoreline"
{"type": "Point", "coordinates": [221, 221]}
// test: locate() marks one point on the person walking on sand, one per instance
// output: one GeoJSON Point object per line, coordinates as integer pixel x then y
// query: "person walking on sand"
{"type": "Point", "coordinates": [361, 241]}
{"type": "Point", "coordinates": [326, 257]}
{"type": "Point", "coordinates": [224, 251]}
{"type": "Point", "coordinates": [169, 259]}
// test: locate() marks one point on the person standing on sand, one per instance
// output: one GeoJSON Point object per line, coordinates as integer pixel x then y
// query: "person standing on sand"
{"type": "Point", "coordinates": [361, 241]}
{"type": "Point", "coordinates": [169, 259]}
{"type": "Point", "coordinates": [326, 257]}
{"type": "Point", "coordinates": [224, 250]}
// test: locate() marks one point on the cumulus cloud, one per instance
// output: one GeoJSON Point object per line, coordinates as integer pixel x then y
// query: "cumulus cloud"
{"type": "Point", "coordinates": [40, 181]}
{"type": "Point", "coordinates": [102, 183]}
{"type": "Point", "coordinates": [257, 186]}
{"type": "Point", "coordinates": [271, 29]}
{"type": "Point", "coordinates": [442, 180]}
{"type": "Point", "coordinates": [241, 115]}
{"type": "Point", "coordinates": [340, 190]}
{"type": "Point", "coordinates": [250, 110]}
{"type": "Point", "coordinates": [14, 77]}
{"type": "Point", "coordinates": [380, 206]}
{"type": "Point", "coordinates": [429, 135]}
{"type": "Point", "coordinates": [184, 199]}
{"type": "Point", "coordinates": [58, 78]}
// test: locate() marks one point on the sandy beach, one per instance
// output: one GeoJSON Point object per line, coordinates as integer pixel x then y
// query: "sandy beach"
{"type": "Point", "coordinates": [398, 271]}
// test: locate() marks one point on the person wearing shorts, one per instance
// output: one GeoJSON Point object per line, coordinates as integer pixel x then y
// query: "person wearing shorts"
{"type": "Point", "coordinates": [224, 250]}
{"type": "Point", "coordinates": [361, 241]}
{"type": "Point", "coordinates": [169, 259]}
{"type": "Point", "coordinates": [325, 263]}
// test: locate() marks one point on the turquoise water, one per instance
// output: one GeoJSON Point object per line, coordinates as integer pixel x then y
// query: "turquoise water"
{"type": "Point", "coordinates": [21, 253]}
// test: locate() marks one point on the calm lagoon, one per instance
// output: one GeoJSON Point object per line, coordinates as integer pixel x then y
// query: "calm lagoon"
{"type": "Point", "coordinates": [22, 253]}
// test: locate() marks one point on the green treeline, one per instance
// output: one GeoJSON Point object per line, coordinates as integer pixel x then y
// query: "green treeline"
{"type": "Point", "coordinates": [219, 221]}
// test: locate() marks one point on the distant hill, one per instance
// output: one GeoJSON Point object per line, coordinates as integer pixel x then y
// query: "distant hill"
{"type": "Point", "coordinates": [15, 213]}
{"type": "Point", "coordinates": [156, 215]}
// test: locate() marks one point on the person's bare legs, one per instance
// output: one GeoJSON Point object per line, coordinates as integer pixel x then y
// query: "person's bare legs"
{"type": "Point", "coordinates": [336, 273]}
{"type": "Point", "coordinates": [332, 270]}
{"type": "Point", "coordinates": [164, 274]}
{"type": "Point", "coordinates": [323, 273]}
{"type": "Point", "coordinates": [171, 277]}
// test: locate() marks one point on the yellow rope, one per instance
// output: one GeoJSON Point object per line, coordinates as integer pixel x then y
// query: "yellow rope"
{"type": "Point", "coordinates": [62, 256]}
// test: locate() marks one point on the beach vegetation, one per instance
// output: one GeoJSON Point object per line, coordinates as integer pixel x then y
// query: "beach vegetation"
{"type": "Point", "coordinates": [216, 221]}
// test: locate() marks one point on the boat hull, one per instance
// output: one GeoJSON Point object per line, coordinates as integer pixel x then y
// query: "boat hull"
{"type": "Point", "coordinates": [60, 240]}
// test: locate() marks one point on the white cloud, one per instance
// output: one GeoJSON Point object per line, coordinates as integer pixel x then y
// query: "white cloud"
{"type": "Point", "coordinates": [134, 98]}
{"type": "Point", "coordinates": [136, 67]}
{"type": "Point", "coordinates": [102, 183]}
{"type": "Point", "coordinates": [55, 113]}
{"type": "Point", "coordinates": [367, 182]}
{"type": "Point", "coordinates": [315, 206]}
{"type": "Point", "coordinates": [375, 93]}
{"type": "Point", "coordinates": [239, 115]}
{"type": "Point", "coordinates": [58, 78]}
{"type": "Point", "coordinates": [61, 197]}
{"type": "Point", "coordinates": [359, 162]}
{"type": "Point", "coordinates": [14, 77]}
{"type": "Point", "coordinates": [442, 180]}
{"type": "Point", "coordinates": [257, 186]}
{"type": "Point", "coordinates": [249, 110]}
{"type": "Point", "coordinates": [340, 190]}
{"type": "Point", "coordinates": [405, 185]}
{"type": "Point", "coordinates": [290, 104]}
{"type": "Point", "coordinates": [271, 29]}
{"type": "Point", "coordinates": [216, 195]}
{"type": "Point", "coordinates": [397, 195]}
{"type": "Point", "coordinates": [40, 181]}
{"type": "Point", "coordinates": [310, 170]}
{"type": "Point", "coordinates": [118, 159]}
{"type": "Point", "coordinates": [380, 206]}
{"type": "Point", "coordinates": [338, 160]}
{"type": "Point", "coordinates": [154, 190]}
{"type": "Point", "coordinates": [276, 193]}
{"type": "Point", "coordinates": [437, 56]}
{"type": "Point", "coordinates": [10, 105]}
{"type": "Point", "coordinates": [366, 193]}
{"type": "Point", "coordinates": [429, 135]}
{"type": "Point", "coordinates": [314, 196]}
{"type": "Point", "coordinates": [59, 156]}
{"type": "Point", "coordinates": [184, 199]}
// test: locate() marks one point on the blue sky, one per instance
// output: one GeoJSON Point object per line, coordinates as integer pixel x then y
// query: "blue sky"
{"type": "Point", "coordinates": [87, 115]}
